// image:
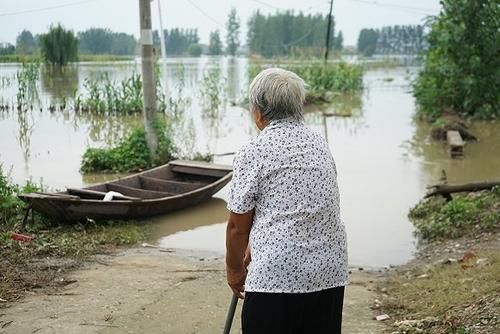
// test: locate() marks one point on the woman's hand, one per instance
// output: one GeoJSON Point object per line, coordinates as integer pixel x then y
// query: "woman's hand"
{"type": "Point", "coordinates": [236, 280]}
{"type": "Point", "coordinates": [237, 234]}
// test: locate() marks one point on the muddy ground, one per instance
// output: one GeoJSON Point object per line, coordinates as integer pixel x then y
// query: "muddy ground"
{"type": "Point", "coordinates": [152, 290]}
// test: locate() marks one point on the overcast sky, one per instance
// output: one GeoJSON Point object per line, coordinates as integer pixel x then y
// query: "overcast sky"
{"type": "Point", "coordinates": [206, 15]}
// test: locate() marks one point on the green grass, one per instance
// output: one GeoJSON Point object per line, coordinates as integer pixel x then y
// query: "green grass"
{"type": "Point", "coordinates": [104, 57]}
{"type": "Point", "coordinates": [435, 218]}
{"type": "Point", "coordinates": [131, 154]}
{"type": "Point", "coordinates": [323, 82]}
{"type": "Point", "coordinates": [14, 58]}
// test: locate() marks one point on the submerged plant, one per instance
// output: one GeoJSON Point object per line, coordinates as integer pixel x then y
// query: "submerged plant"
{"type": "Point", "coordinates": [323, 81]}
{"type": "Point", "coordinates": [110, 96]}
{"type": "Point", "coordinates": [177, 103]}
{"type": "Point", "coordinates": [212, 90]}
{"type": "Point", "coordinates": [27, 79]}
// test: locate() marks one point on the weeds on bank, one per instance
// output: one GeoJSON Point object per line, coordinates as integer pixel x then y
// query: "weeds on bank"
{"type": "Point", "coordinates": [435, 218]}
{"type": "Point", "coordinates": [461, 296]}
{"type": "Point", "coordinates": [51, 237]}
{"type": "Point", "coordinates": [20, 266]}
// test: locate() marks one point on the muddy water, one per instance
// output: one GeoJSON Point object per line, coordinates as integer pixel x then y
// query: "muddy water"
{"type": "Point", "coordinates": [384, 157]}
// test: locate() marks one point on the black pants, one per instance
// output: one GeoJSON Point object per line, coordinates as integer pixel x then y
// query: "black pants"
{"type": "Point", "coordinates": [293, 313]}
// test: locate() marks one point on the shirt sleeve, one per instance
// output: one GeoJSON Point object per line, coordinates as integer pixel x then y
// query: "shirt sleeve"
{"type": "Point", "coordinates": [244, 186]}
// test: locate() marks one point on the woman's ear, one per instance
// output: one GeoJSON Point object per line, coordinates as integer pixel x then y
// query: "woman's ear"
{"type": "Point", "coordinates": [260, 120]}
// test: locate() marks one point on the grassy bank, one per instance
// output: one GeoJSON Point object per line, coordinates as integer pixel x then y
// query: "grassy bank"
{"type": "Point", "coordinates": [19, 58]}
{"type": "Point", "coordinates": [55, 248]}
{"type": "Point", "coordinates": [435, 218]}
{"type": "Point", "coordinates": [453, 284]}
{"type": "Point", "coordinates": [104, 57]}
{"type": "Point", "coordinates": [456, 297]}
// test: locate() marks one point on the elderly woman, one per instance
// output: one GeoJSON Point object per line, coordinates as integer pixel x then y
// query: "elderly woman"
{"type": "Point", "coordinates": [284, 211]}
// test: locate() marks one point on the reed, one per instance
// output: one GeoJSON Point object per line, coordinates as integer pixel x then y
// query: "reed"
{"type": "Point", "coordinates": [212, 90]}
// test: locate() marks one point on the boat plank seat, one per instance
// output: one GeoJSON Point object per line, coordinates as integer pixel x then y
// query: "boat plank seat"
{"type": "Point", "coordinates": [171, 186]}
{"type": "Point", "coordinates": [198, 171]}
{"type": "Point", "coordinates": [97, 194]}
{"type": "Point", "coordinates": [137, 192]}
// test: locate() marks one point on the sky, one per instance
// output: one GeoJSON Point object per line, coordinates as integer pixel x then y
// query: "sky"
{"type": "Point", "coordinates": [206, 15]}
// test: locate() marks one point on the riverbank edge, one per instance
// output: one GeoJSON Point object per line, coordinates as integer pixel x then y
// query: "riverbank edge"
{"type": "Point", "coordinates": [469, 265]}
{"type": "Point", "coordinates": [52, 274]}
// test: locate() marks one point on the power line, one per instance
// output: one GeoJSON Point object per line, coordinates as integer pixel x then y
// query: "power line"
{"type": "Point", "coordinates": [205, 13]}
{"type": "Point", "coordinates": [368, 2]}
{"type": "Point", "coordinates": [420, 10]}
{"type": "Point", "coordinates": [70, 4]}
{"type": "Point", "coordinates": [266, 4]}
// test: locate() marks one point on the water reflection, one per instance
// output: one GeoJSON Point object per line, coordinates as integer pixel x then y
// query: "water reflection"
{"type": "Point", "coordinates": [60, 83]}
{"type": "Point", "coordinates": [202, 228]}
{"type": "Point", "coordinates": [481, 161]}
{"type": "Point", "coordinates": [25, 130]}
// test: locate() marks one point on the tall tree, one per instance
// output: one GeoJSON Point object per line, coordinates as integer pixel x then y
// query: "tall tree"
{"type": "Point", "coordinates": [59, 46]}
{"type": "Point", "coordinates": [215, 44]}
{"type": "Point", "coordinates": [232, 32]}
{"type": "Point", "coordinates": [367, 41]}
{"type": "Point", "coordinates": [26, 43]}
{"type": "Point", "coordinates": [461, 70]}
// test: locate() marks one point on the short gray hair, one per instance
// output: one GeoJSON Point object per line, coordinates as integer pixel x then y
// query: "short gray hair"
{"type": "Point", "coordinates": [278, 93]}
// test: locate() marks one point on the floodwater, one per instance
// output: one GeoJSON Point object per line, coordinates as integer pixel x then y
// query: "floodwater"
{"type": "Point", "coordinates": [384, 158]}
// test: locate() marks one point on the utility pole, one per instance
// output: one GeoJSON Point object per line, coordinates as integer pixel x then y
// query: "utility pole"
{"type": "Point", "coordinates": [163, 50]}
{"type": "Point", "coordinates": [328, 31]}
{"type": "Point", "coordinates": [148, 82]}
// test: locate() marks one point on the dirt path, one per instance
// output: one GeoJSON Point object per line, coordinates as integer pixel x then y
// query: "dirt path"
{"type": "Point", "coordinates": [145, 290]}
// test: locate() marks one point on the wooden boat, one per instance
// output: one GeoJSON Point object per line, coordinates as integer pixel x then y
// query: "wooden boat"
{"type": "Point", "coordinates": [176, 185]}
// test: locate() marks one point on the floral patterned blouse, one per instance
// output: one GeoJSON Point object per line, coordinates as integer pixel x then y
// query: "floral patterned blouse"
{"type": "Point", "coordinates": [297, 240]}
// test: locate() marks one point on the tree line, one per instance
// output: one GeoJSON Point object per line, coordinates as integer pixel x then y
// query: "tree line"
{"type": "Point", "coordinates": [179, 41]}
{"type": "Point", "coordinates": [288, 33]}
{"type": "Point", "coordinates": [105, 41]}
{"type": "Point", "coordinates": [406, 39]}
{"type": "Point", "coordinates": [90, 41]}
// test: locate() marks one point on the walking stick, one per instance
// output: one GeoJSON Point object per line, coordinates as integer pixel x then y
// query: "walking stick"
{"type": "Point", "coordinates": [230, 314]}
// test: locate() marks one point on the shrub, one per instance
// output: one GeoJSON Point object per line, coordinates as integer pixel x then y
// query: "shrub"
{"type": "Point", "coordinates": [11, 207]}
{"type": "Point", "coordinates": [461, 70]}
{"type": "Point", "coordinates": [59, 46]}
{"type": "Point", "coordinates": [131, 154]}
